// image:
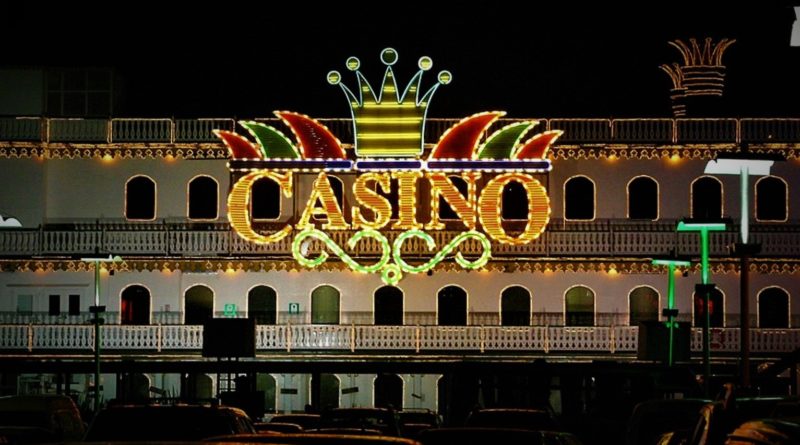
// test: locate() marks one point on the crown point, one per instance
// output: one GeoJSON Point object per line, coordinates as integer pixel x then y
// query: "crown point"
{"type": "Point", "coordinates": [445, 77]}
{"type": "Point", "coordinates": [334, 77]}
{"type": "Point", "coordinates": [353, 63]}
{"type": "Point", "coordinates": [425, 63]}
{"type": "Point", "coordinates": [389, 56]}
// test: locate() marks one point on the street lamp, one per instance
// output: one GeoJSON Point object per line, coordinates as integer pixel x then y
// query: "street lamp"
{"type": "Point", "coordinates": [671, 312]}
{"type": "Point", "coordinates": [743, 164]}
{"type": "Point", "coordinates": [96, 311]}
{"type": "Point", "coordinates": [704, 289]}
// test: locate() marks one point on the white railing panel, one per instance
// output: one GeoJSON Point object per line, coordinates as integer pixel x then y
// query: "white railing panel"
{"type": "Point", "coordinates": [386, 337]}
{"type": "Point", "coordinates": [129, 337]}
{"type": "Point", "coordinates": [271, 337]}
{"type": "Point", "coordinates": [182, 337]}
{"type": "Point", "coordinates": [78, 337]}
{"type": "Point", "coordinates": [320, 336]}
{"type": "Point", "coordinates": [13, 336]}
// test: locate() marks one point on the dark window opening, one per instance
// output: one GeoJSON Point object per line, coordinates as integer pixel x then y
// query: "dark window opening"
{"type": "Point", "coordinates": [579, 306]}
{"type": "Point", "coordinates": [515, 307]}
{"type": "Point", "coordinates": [262, 304]}
{"type": "Point", "coordinates": [140, 198]}
{"type": "Point", "coordinates": [515, 201]}
{"type": "Point", "coordinates": [265, 199]}
{"type": "Point", "coordinates": [579, 198]}
{"type": "Point", "coordinates": [643, 199]}
{"type": "Point", "coordinates": [389, 306]}
{"type": "Point", "coordinates": [707, 198]}
{"type": "Point", "coordinates": [74, 304]}
{"type": "Point", "coordinates": [54, 307]}
{"type": "Point", "coordinates": [452, 301]}
{"type": "Point", "coordinates": [716, 309]}
{"type": "Point", "coordinates": [771, 199]}
{"type": "Point", "coordinates": [773, 308]}
{"type": "Point", "coordinates": [203, 198]}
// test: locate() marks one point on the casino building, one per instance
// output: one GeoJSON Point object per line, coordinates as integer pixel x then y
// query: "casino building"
{"type": "Point", "coordinates": [379, 252]}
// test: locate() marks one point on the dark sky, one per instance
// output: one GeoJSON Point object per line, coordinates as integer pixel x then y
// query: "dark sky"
{"type": "Point", "coordinates": [528, 59]}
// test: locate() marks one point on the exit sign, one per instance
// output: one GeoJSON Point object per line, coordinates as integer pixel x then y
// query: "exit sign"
{"type": "Point", "coordinates": [229, 310]}
{"type": "Point", "coordinates": [294, 308]}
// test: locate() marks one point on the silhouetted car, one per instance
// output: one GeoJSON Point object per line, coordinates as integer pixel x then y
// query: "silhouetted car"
{"type": "Point", "coordinates": [307, 421]}
{"type": "Point", "coordinates": [765, 432]}
{"type": "Point", "coordinates": [313, 439]}
{"type": "Point", "coordinates": [652, 418]}
{"type": "Point", "coordinates": [525, 419]}
{"type": "Point", "coordinates": [39, 419]}
{"type": "Point", "coordinates": [412, 422]}
{"type": "Point", "coordinates": [278, 427]}
{"type": "Point", "coordinates": [167, 423]}
{"type": "Point", "coordinates": [381, 419]}
{"type": "Point", "coordinates": [504, 436]}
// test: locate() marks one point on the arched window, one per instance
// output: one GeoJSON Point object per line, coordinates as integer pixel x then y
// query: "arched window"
{"type": "Point", "coordinates": [267, 384]}
{"type": "Point", "coordinates": [643, 198]}
{"type": "Point", "coordinates": [329, 391]}
{"type": "Point", "coordinates": [515, 306]}
{"type": "Point", "coordinates": [134, 307]}
{"type": "Point", "coordinates": [325, 305]}
{"type": "Point", "coordinates": [388, 390]}
{"type": "Point", "coordinates": [579, 198]}
{"type": "Point", "coordinates": [262, 304]}
{"type": "Point", "coordinates": [389, 306]}
{"type": "Point", "coordinates": [203, 198]}
{"type": "Point", "coordinates": [643, 301]}
{"type": "Point", "coordinates": [140, 198]}
{"type": "Point", "coordinates": [579, 306]}
{"type": "Point", "coordinates": [198, 304]}
{"type": "Point", "coordinates": [515, 201]}
{"type": "Point", "coordinates": [773, 308]}
{"type": "Point", "coordinates": [716, 308]}
{"type": "Point", "coordinates": [772, 199]}
{"type": "Point", "coordinates": [445, 211]}
{"type": "Point", "coordinates": [265, 199]}
{"type": "Point", "coordinates": [706, 198]}
{"type": "Point", "coordinates": [452, 306]}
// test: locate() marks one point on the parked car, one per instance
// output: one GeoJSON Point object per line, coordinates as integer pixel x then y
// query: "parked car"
{"type": "Point", "coordinates": [278, 427]}
{"type": "Point", "coordinates": [413, 421]}
{"type": "Point", "coordinates": [380, 419]}
{"type": "Point", "coordinates": [504, 436]}
{"type": "Point", "coordinates": [307, 421]}
{"type": "Point", "coordinates": [766, 432]}
{"type": "Point", "coordinates": [312, 439]}
{"type": "Point", "coordinates": [39, 418]}
{"type": "Point", "coordinates": [132, 423]}
{"type": "Point", "coordinates": [518, 418]}
{"type": "Point", "coordinates": [652, 418]}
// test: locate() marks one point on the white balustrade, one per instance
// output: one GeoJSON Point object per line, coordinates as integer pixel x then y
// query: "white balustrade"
{"type": "Point", "coordinates": [129, 337]}
{"type": "Point", "coordinates": [181, 337]}
{"type": "Point", "coordinates": [540, 339]}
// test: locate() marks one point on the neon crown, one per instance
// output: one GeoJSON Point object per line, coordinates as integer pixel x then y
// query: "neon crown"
{"type": "Point", "coordinates": [393, 120]}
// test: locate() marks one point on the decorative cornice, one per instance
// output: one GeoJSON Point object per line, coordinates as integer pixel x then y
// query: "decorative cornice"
{"type": "Point", "coordinates": [631, 266]}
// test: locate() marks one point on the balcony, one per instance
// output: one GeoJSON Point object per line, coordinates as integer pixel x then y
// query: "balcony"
{"type": "Point", "coordinates": [634, 131]}
{"type": "Point", "coordinates": [71, 339]}
{"type": "Point", "coordinates": [600, 238]}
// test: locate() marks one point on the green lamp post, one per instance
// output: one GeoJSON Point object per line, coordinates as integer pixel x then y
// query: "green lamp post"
{"type": "Point", "coordinates": [671, 312]}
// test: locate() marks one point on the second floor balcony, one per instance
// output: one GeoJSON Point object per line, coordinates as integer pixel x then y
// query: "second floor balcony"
{"type": "Point", "coordinates": [602, 238]}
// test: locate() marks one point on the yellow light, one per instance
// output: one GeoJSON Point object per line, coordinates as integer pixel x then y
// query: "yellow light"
{"type": "Point", "coordinates": [323, 193]}
{"type": "Point", "coordinates": [369, 198]}
{"type": "Point", "coordinates": [239, 206]}
{"type": "Point", "coordinates": [674, 158]}
{"type": "Point", "coordinates": [491, 208]}
{"type": "Point", "coordinates": [108, 158]}
{"type": "Point", "coordinates": [407, 200]}
{"type": "Point", "coordinates": [612, 272]}
{"type": "Point", "coordinates": [464, 208]}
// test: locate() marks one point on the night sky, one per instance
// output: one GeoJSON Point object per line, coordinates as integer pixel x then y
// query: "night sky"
{"type": "Point", "coordinates": [573, 61]}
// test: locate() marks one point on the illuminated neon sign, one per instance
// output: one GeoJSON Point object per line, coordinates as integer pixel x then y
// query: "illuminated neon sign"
{"type": "Point", "coordinates": [389, 128]}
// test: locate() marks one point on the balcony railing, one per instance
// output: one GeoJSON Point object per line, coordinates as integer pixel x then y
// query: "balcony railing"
{"type": "Point", "coordinates": [362, 338]}
{"type": "Point", "coordinates": [664, 131]}
{"type": "Point", "coordinates": [615, 238]}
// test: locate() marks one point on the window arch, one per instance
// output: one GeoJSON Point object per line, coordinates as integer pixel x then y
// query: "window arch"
{"type": "Point", "coordinates": [325, 305]}
{"type": "Point", "coordinates": [579, 306]}
{"type": "Point", "coordinates": [706, 198]}
{"type": "Point", "coordinates": [203, 198]}
{"type": "Point", "coordinates": [388, 310]}
{"type": "Point", "coordinates": [451, 306]}
{"type": "Point", "coordinates": [772, 199]}
{"type": "Point", "coordinates": [262, 303]}
{"type": "Point", "coordinates": [515, 306]}
{"type": "Point", "coordinates": [643, 198]}
{"type": "Point", "coordinates": [140, 198]}
{"type": "Point", "coordinates": [773, 308]}
{"type": "Point", "coordinates": [268, 384]}
{"type": "Point", "coordinates": [643, 305]}
{"type": "Point", "coordinates": [388, 391]}
{"type": "Point", "coordinates": [716, 306]}
{"type": "Point", "coordinates": [329, 387]}
{"type": "Point", "coordinates": [265, 200]}
{"type": "Point", "coordinates": [198, 304]}
{"type": "Point", "coordinates": [579, 198]}
{"type": "Point", "coordinates": [134, 305]}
